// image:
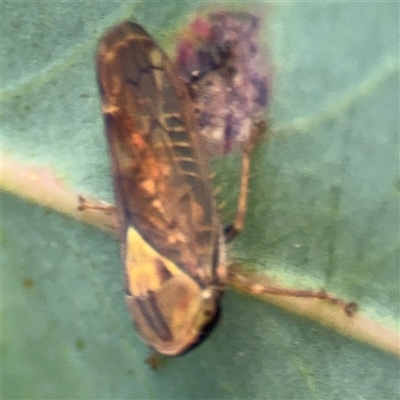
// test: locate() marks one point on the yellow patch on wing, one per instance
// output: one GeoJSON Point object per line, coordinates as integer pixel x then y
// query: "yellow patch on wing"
{"type": "Point", "coordinates": [146, 269]}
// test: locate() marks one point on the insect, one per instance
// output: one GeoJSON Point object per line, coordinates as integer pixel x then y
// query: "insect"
{"type": "Point", "coordinates": [172, 242]}
{"type": "Point", "coordinates": [219, 59]}
{"type": "Point", "coordinates": [173, 246]}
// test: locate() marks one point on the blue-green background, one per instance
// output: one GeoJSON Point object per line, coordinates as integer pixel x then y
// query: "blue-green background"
{"type": "Point", "coordinates": [323, 212]}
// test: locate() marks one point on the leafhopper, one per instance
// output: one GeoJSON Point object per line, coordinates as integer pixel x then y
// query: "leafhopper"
{"type": "Point", "coordinates": [173, 246]}
{"type": "Point", "coordinates": [172, 241]}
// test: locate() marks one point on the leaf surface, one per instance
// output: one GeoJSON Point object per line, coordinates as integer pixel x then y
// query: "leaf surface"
{"type": "Point", "coordinates": [323, 211]}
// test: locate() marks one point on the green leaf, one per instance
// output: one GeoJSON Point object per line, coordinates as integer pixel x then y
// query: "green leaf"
{"type": "Point", "coordinates": [323, 212]}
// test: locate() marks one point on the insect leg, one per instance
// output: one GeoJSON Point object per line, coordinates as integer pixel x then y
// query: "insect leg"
{"type": "Point", "coordinates": [257, 289]}
{"type": "Point", "coordinates": [238, 224]}
{"type": "Point", "coordinates": [84, 204]}
{"type": "Point", "coordinates": [109, 217]}
{"type": "Point", "coordinates": [156, 360]}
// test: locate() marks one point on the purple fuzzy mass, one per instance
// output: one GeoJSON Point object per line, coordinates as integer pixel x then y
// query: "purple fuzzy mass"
{"type": "Point", "coordinates": [224, 70]}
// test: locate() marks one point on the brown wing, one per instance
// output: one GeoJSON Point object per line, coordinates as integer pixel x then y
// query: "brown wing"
{"type": "Point", "coordinates": [161, 176]}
